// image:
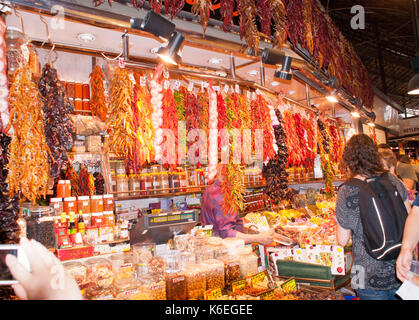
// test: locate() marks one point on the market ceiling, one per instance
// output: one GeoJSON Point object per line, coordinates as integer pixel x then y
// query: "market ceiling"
{"type": "Point", "coordinates": [385, 46]}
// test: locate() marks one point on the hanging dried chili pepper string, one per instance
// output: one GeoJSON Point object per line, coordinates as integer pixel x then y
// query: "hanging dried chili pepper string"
{"type": "Point", "coordinates": [98, 100]}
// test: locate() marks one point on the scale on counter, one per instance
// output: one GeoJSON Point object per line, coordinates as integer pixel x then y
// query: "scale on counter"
{"type": "Point", "coordinates": [160, 227]}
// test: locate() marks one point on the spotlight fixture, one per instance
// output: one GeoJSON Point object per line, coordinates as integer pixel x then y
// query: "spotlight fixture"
{"type": "Point", "coordinates": [169, 53]}
{"type": "Point", "coordinates": [274, 57]}
{"type": "Point", "coordinates": [332, 98]}
{"type": "Point", "coordinates": [355, 114]}
{"type": "Point", "coordinates": [155, 24]}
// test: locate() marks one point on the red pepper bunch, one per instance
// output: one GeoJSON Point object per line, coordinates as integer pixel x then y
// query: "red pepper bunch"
{"type": "Point", "coordinates": [203, 101]}
{"type": "Point", "coordinates": [232, 189]}
{"type": "Point", "coordinates": [312, 142]}
{"type": "Point", "coordinates": [170, 122]}
{"type": "Point", "coordinates": [302, 136]}
{"type": "Point", "coordinates": [293, 141]}
{"type": "Point", "coordinates": [173, 7]}
{"type": "Point", "coordinates": [261, 119]}
{"type": "Point", "coordinates": [84, 181]}
{"type": "Point", "coordinates": [235, 110]}
{"type": "Point", "coordinates": [226, 11]}
{"type": "Point", "coordinates": [265, 16]}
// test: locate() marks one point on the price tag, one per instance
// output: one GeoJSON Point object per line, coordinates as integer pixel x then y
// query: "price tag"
{"type": "Point", "coordinates": [166, 84]}
{"type": "Point", "coordinates": [121, 63]}
{"type": "Point", "coordinates": [190, 86]}
{"type": "Point", "coordinates": [289, 286]}
{"type": "Point", "coordinates": [258, 278]}
{"type": "Point", "coordinates": [238, 285]}
{"type": "Point", "coordinates": [226, 88]}
{"type": "Point", "coordinates": [142, 81]}
{"type": "Point", "coordinates": [176, 85]}
{"type": "Point", "coordinates": [212, 294]}
{"type": "Point", "coordinates": [237, 88]}
{"type": "Point", "coordinates": [267, 295]}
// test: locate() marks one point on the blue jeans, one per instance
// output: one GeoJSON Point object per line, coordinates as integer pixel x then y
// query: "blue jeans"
{"type": "Point", "coordinates": [367, 294]}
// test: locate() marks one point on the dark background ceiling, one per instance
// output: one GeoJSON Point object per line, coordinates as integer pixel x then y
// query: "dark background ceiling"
{"type": "Point", "coordinates": [385, 46]}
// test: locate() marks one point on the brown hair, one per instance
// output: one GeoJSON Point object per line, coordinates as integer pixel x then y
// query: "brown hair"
{"type": "Point", "coordinates": [360, 156]}
{"type": "Point", "coordinates": [389, 157]}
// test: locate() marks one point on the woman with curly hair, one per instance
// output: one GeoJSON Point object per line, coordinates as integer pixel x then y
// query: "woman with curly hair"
{"type": "Point", "coordinates": [372, 279]}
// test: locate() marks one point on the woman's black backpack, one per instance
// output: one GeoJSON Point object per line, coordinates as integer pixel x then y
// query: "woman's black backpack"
{"type": "Point", "coordinates": [383, 216]}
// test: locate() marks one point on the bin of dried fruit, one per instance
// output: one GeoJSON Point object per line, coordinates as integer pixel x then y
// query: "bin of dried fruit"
{"type": "Point", "coordinates": [214, 272]}
{"type": "Point", "coordinates": [100, 278]}
{"type": "Point", "coordinates": [196, 283]}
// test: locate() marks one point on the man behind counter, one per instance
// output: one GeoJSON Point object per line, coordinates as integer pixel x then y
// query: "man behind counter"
{"type": "Point", "coordinates": [226, 225]}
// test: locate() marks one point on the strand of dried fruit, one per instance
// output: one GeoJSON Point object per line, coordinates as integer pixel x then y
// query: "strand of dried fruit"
{"type": "Point", "coordinates": [247, 21]}
{"type": "Point", "coordinates": [99, 183]}
{"type": "Point", "coordinates": [173, 7]}
{"type": "Point", "coordinates": [142, 112]}
{"type": "Point", "coordinates": [170, 122]}
{"type": "Point", "coordinates": [59, 127]}
{"type": "Point", "coordinates": [122, 135]}
{"type": "Point", "coordinates": [232, 188]}
{"type": "Point", "coordinates": [279, 18]}
{"type": "Point", "coordinates": [203, 101]}
{"type": "Point", "coordinates": [312, 142]}
{"type": "Point", "coordinates": [74, 178]}
{"type": "Point", "coordinates": [261, 120]}
{"type": "Point", "coordinates": [9, 208]}
{"type": "Point", "coordinates": [302, 136]}
{"type": "Point", "coordinates": [98, 100]}
{"type": "Point", "coordinates": [29, 153]}
{"type": "Point", "coordinates": [293, 144]}
{"type": "Point", "coordinates": [91, 185]}
{"type": "Point", "coordinates": [84, 181]}
{"type": "Point", "coordinates": [226, 11]}
{"type": "Point", "coordinates": [155, 5]}
{"type": "Point", "coordinates": [265, 16]}
{"type": "Point", "coordinates": [179, 96]}
{"type": "Point", "coordinates": [202, 8]}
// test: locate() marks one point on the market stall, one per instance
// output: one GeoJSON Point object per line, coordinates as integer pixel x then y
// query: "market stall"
{"type": "Point", "coordinates": [109, 172]}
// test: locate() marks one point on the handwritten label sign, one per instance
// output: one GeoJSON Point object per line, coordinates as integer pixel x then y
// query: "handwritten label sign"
{"type": "Point", "coordinates": [212, 294]}
{"type": "Point", "coordinates": [238, 285]}
{"type": "Point", "coordinates": [258, 278]}
{"type": "Point", "coordinates": [289, 286]}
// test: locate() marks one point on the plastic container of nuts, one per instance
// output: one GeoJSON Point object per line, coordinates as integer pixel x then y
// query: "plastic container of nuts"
{"type": "Point", "coordinates": [122, 265]}
{"type": "Point", "coordinates": [214, 272]}
{"type": "Point", "coordinates": [231, 269]}
{"type": "Point", "coordinates": [196, 283]}
{"type": "Point", "coordinates": [100, 277]}
{"type": "Point", "coordinates": [78, 271]}
{"type": "Point", "coordinates": [248, 262]}
{"type": "Point", "coordinates": [125, 288]}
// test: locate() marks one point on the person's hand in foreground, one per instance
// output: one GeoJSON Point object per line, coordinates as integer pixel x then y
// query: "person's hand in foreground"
{"type": "Point", "coordinates": [47, 280]}
{"type": "Point", "coordinates": [403, 264]}
{"type": "Point", "coordinates": [265, 238]}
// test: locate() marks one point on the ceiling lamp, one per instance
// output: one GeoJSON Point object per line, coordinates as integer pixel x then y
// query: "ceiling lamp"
{"type": "Point", "coordinates": [86, 37]}
{"type": "Point", "coordinates": [274, 57]}
{"type": "Point", "coordinates": [371, 124]}
{"type": "Point", "coordinates": [413, 86]}
{"type": "Point", "coordinates": [169, 53]}
{"type": "Point", "coordinates": [355, 114]}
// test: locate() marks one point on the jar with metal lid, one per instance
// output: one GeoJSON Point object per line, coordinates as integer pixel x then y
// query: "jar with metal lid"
{"type": "Point", "coordinates": [41, 226]}
{"type": "Point", "coordinates": [195, 280]}
{"type": "Point", "coordinates": [214, 272]}
{"type": "Point", "coordinates": [83, 204]}
{"type": "Point", "coordinates": [248, 262]}
{"type": "Point", "coordinates": [63, 189]}
{"type": "Point", "coordinates": [122, 265]}
{"type": "Point", "coordinates": [14, 41]}
{"type": "Point", "coordinates": [122, 185]}
{"type": "Point", "coordinates": [165, 182]}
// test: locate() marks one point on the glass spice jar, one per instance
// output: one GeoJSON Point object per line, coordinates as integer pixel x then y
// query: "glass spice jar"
{"type": "Point", "coordinates": [57, 205]}
{"type": "Point", "coordinates": [63, 189]}
{"type": "Point", "coordinates": [122, 185]}
{"type": "Point", "coordinates": [70, 91]}
{"type": "Point", "coordinates": [83, 204]}
{"type": "Point", "coordinates": [78, 91]}
{"type": "Point", "coordinates": [40, 226]}
{"type": "Point", "coordinates": [108, 202]}
{"type": "Point", "coordinates": [78, 104]}
{"type": "Point", "coordinates": [70, 205]}
{"type": "Point", "coordinates": [85, 105]}
{"type": "Point", "coordinates": [96, 203]}
{"type": "Point", "coordinates": [85, 91]}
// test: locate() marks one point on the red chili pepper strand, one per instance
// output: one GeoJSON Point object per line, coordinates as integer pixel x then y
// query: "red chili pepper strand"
{"type": "Point", "coordinates": [170, 121]}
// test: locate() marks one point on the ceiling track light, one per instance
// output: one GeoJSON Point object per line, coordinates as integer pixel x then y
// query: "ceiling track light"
{"type": "Point", "coordinates": [154, 24]}
{"type": "Point", "coordinates": [169, 53]}
{"type": "Point", "coordinates": [274, 57]}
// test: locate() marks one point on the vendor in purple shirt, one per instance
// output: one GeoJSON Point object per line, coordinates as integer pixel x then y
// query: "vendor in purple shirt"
{"type": "Point", "coordinates": [226, 225]}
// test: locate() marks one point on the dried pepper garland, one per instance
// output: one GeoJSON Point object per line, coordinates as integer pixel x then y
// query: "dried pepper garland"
{"type": "Point", "coordinates": [74, 178]}
{"type": "Point", "coordinates": [302, 136]}
{"type": "Point", "coordinates": [9, 208]}
{"type": "Point", "coordinates": [247, 22]}
{"type": "Point", "coordinates": [170, 123]}
{"type": "Point", "coordinates": [58, 124]}
{"type": "Point", "coordinates": [142, 110]}
{"type": "Point", "coordinates": [227, 11]}
{"type": "Point", "coordinates": [173, 7]}
{"type": "Point", "coordinates": [99, 183]}
{"type": "Point", "coordinates": [324, 148]}
{"type": "Point", "coordinates": [275, 170]}
{"type": "Point", "coordinates": [265, 16]}
{"type": "Point", "coordinates": [232, 188]}
{"type": "Point", "coordinates": [293, 142]}
{"type": "Point", "coordinates": [179, 96]}
{"type": "Point", "coordinates": [312, 142]}
{"type": "Point", "coordinates": [202, 8]}
{"type": "Point", "coordinates": [29, 153]}
{"type": "Point", "coordinates": [122, 135]}
{"type": "Point", "coordinates": [261, 120]}
{"type": "Point", "coordinates": [98, 100]}
{"type": "Point", "coordinates": [279, 18]}
{"type": "Point", "coordinates": [84, 182]}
